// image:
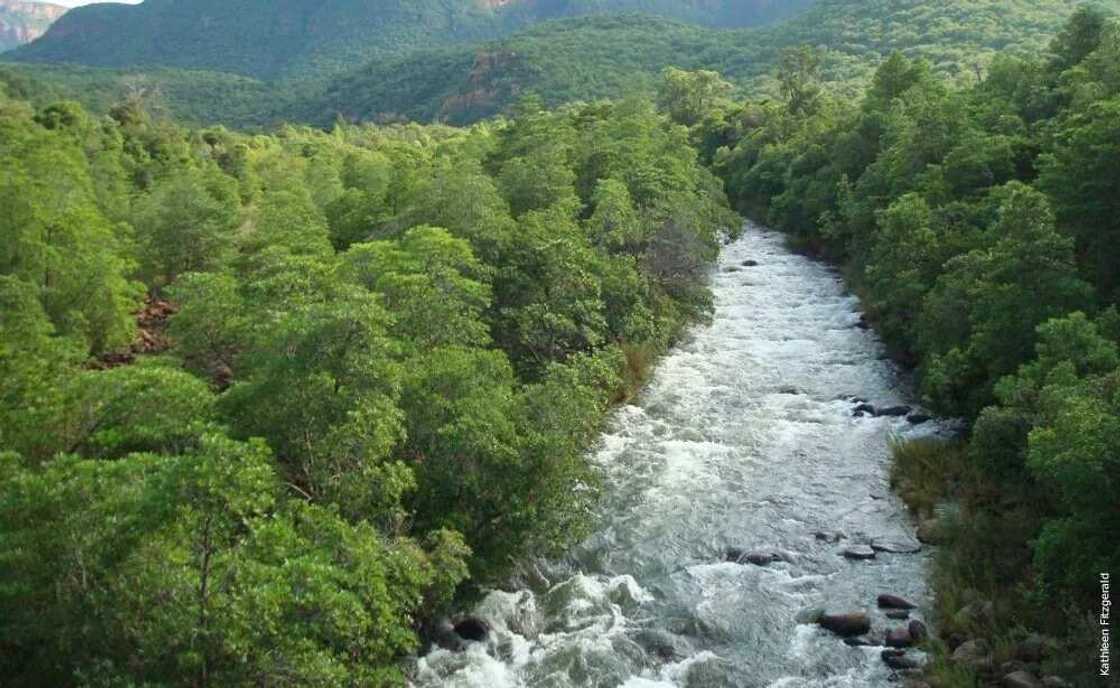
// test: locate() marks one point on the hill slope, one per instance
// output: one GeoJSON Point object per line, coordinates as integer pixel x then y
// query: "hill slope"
{"type": "Point", "coordinates": [294, 38]}
{"type": "Point", "coordinates": [22, 22]}
{"type": "Point", "coordinates": [604, 56]}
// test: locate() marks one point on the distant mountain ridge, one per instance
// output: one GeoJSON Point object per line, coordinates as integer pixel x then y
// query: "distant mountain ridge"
{"type": "Point", "coordinates": [22, 22]}
{"type": "Point", "coordinates": [271, 39]}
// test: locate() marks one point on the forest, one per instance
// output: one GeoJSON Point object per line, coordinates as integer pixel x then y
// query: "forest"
{"type": "Point", "coordinates": [980, 228]}
{"type": "Point", "coordinates": [365, 370]}
{"type": "Point", "coordinates": [277, 398]}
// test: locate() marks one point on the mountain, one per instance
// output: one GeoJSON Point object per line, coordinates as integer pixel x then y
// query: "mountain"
{"type": "Point", "coordinates": [597, 56]}
{"type": "Point", "coordinates": [602, 53]}
{"type": "Point", "coordinates": [272, 39]}
{"type": "Point", "coordinates": [22, 22]}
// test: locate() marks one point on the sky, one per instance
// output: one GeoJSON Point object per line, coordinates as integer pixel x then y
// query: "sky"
{"type": "Point", "coordinates": [75, 3]}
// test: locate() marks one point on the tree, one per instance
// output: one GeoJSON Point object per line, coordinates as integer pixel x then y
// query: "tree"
{"type": "Point", "coordinates": [799, 74]}
{"type": "Point", "coordinates": [689, 97]}
{"type": "Point", "coordinates": [186, 225]}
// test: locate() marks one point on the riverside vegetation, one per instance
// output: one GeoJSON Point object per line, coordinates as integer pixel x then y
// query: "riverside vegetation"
{"type": "Point", "coordinates": [980, 227]}
{"type": "Point", "coordinates": [368, 364]}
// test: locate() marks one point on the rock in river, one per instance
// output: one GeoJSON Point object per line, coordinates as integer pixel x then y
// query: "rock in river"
{"type": "Point", "coordinates": [473, 628]}
{"type": "Point", "coordinates": [846, 625]}
{"type": "Point", "coordinates": [896, 545]}
{"type": "Point", "coordinates": [859, 552]}
{"type": "Point", "coordinates": [895, 602]}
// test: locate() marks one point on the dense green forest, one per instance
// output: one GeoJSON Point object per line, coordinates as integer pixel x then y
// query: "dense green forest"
{"type": "Point", "coordinates": [980, 226]}
{"type": "Point", "coordinates": [295, 39]}
{"type": "Point", "coordinates": [365, 369]}
{"type": "Point", "coordinates": [564, 60]}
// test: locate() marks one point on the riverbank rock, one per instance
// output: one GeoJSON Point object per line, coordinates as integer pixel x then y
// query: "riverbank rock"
{"type": "Point", "coordinates": [846, 625]}
{"type": "Point", "coordinates": [896, 545]}
{"type": "Point", "coordinates": [979, 612]}
{"type": "Point", "coordinates": [473, 628]}
{"type": "Point", "coordinates": [975, 654]}
{"type": "Point", "coordinates": [895, 602]}
{"type": "Point", "coordinates": [897, 614]}
{"type": "Point", "coordinates": [899, 637]}
{"type": "Point", "coordinates": [859, 553]}
{"type": "Point", "coordinates": [918, 419]}
{"type": "Point", "coordinates": [1055, 682]}
{"type": "Point", "coordinates": [930, 531]}
{"type": "Point", "coordinates": [899, 661]}
{"type": "Point", "coordinates": [861, 642]}
{"type": "Point", "coordinates": [918, 631]}
{"type": "Point", "coordinates": [1033, 649]}
{"type": "Point", "coordinates": [1021, 679]}
{"type": "Point", "coordinates": [894, 411]}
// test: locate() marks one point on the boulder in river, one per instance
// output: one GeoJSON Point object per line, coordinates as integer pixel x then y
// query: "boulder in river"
{"type": "Point", "coordinates": [473, 628]}
{"type": "Point", "coordinates": [847, 625]}
{"type": "Point", "coordinates": [833, 536]}
{"type": "Point", "coordinates": [749, 263]}
{"type": "Point", "coordinates": [918, 418]}
{"type": "Point", "coordinates": [756, 557]}
{"type": "Point", "coordinates": [899, 637]}
{"type": "Point", "coordinates": [895, 602]}
{"type": "Point", "coordinates": [898, 660]}
{"type": "Point", "coordinates": [859, 553]}
{"type": "Point", "coordinates": [896, 545]}
{"type": "Point", "coordinates": [898, 614]}
{"type": "Point", "coordinates": [864, 409]}
{"type": "Point", "coordinates": [861, 642]}
{"type": "Point", "coordinates": [893, 411]}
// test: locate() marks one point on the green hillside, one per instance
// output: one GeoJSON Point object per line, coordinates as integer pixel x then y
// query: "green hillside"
{"type": "Point", "coordinates": [603, 56]}
{"type": "Point", "coordinates": [292, 38]}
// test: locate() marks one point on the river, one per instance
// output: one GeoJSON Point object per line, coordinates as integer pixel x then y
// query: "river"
{"type": "Point", "coordinates": [745, 437]}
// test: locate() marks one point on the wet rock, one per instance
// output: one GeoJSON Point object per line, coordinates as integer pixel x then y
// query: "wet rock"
{"type": "Point", "coordinates": [861, 642]}
{"type": "Point", "coordinates": [896, 545]}
{"type": "Point", "coordinates": [918, 419]}
{"type": "Point", "coordinates": [756, 558]}
{"type": "Point", "coordinates": [859, 553]}
{"type": "Point", "coordinates": [918, 631]}
{"type": "Point", "coordinates": [862, 323]}
{"type": "Point", "coordinates": [1021, 679]}
{"type": "Point", "coordinates": [973, 653]}
{"type": "Point", "coordinates": [846, 625]}
{"type": "Point", "coordinates": [864, 409]}
{"type": "Point", "coordinates": [895, 602]}
{"type": "Point", "coordinates": [898, 660]}
{"type": "Point", "coordinates": [443, 635]}
{"type": "Point", "coordinates": [894, 411]}
{"type": "Point", "coordinates": [899, 637]}
{"type": "Point", "coordinates": [897, 614]}
{"type": "Point", "coordinates": [750, 263]}
{"type": "Point", "coordinates": [1055, 682]}
{"type": "Point", "coordinates": [832, 537]}
{"type": "Point", "coordinates": [473, 628]}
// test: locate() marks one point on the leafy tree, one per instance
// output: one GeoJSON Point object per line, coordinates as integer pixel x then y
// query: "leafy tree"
{"type": "Point", "coordinates": [186, 225]}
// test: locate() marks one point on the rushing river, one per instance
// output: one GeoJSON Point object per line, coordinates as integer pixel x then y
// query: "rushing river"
{"type": "Point", "coordinates": [745, 437]}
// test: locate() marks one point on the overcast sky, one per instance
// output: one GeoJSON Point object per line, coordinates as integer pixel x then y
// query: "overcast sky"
{"type": "Point", "coordinates": [75, 3]}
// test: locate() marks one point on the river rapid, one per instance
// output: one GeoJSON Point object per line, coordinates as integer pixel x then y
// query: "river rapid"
{"type": "Point", "coordinates": [745, 438]}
